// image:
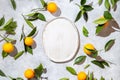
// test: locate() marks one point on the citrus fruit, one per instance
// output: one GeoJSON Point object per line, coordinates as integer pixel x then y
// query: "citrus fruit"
{"type": "Point", "coordinates": [81, 75]}
{"type": "Point", "coordinates": [106, 24]}
{"type": "Point", "coordinates": [8, 47]}
{"type": "Point", "coordinates": [88, 46]}
{"type": "Point", "coordinates": [29, 41]}
{"type": "Point", "coordinates": [52, 7]}
{"type": "Point", "coordinates": [29, 73]}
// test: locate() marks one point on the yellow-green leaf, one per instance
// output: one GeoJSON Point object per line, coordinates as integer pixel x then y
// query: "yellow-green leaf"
{"type": "Point", "coordinates": [2, 21]}
{"type": "Point", "coordinates": [114, 2]}
{"type": "Point", "coordinates": [13, 4]}
{"type": "Point", "coordinates": [2, 73]}
{"type": "Point", "coordinates": [99, 28]}
{"type": "Point", "coordinates": [44, 4]}
{"type": "Point", "coordinates": [102, 78]}
{"type": "Point", "coordinates": [107, 4]}
{"type": "Point", "coordinates": [87, 76]}
{"type": "Point", "coordinates": [100, 2]}
{"type": "Point", "coordinates": [85, 31]}
{"type": "Point", "coordinates": [18, 55]}
{"type": "Point", "coordinates": [64, 79]}
{"type": "Point", "coordinates": [86, 66]}
{"type": "Point", "coordinates": [100, 21]}
{"type": "Point", "coordinates": [91, 76]}
{"type": "Point", "coordinates": [71, 70]}
{"type": "Point", "coordinates": [79, 59]}
{"type": "Point", "coordinates": [109, 44]}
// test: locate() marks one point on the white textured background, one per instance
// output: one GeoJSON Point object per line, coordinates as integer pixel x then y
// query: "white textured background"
{"type": "Point", "coordinates": [55, 71]}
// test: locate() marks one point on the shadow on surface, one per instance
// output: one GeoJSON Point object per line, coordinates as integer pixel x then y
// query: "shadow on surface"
{"type": "Point", "coordinates": [109, 29]}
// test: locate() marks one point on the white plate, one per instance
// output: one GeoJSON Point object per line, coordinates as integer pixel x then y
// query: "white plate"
{"type": "Point", "coordinates": [60, 40]}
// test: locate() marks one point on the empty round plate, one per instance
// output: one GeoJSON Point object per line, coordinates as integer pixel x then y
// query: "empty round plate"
{"type": "Point", "coordinates": [60, 39]}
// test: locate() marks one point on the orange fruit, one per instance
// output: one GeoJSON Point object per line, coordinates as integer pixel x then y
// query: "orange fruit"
{"type": "Point", "coordinates": [29, 73]}
{"type": "Point", "coordinates": [52, 7]}
{"type": "Point", "coordinates": [8, 47]}
{"type": "Point", "coordinates": [106, 24]}
{"type": "Point", "coordinates": [88, 46]}
{"type": "Point", "coordinates": [29, 41]}
{"type": "Point", "coordinates": [81, 75]}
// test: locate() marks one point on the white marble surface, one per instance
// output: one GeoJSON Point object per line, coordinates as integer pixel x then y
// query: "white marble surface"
{"type": "Point", "coordinates": [55, 71]}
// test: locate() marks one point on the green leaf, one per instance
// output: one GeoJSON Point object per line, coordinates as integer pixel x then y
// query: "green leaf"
{"type": "Point", "coordinates": [44, 4]}
{"type": "Point", "coordinates": [18, 55]}
{"type": "Point", "coordinates": [71, 70]}
{"type": "Point", "coordinates": [29, 49]}
{"type": "Point", "coordinates": [4, 54]}
{"type": "Point", "coordinates": [100, 21]}
{"type": "Point", "coordinates": [105, 63]}
{"type": "Point", "coordinates": [2, 21]}
{"type": "Point", "coordinates": [109, 44]}
{"type": "Point", "coordinates": [9, 21]}
{"type": "Point", "coordinates": [85, 16]}
{"type": "Point", "coordinates": [102, 78]}
{"type": "Point", "coordinates": [87, 8]}
{"type": "Point", "coordinates": [83, 2]}
{"type": "Point", "coordinates": [28, 22]}
{"type": "Point", "coordinates": [2, 73]}
{"type": "Point", "coordinates": [41, 17]}
{"type": "Point", "coordinates": [99, 28]}
{"type": "Point", "coordinates": [64, 79]}
{"type": "Point", "coordinates": [91, 76]}
{"type": "Point", "coordinates": [114, 2]}
{"type": "Point", "coordinates": [107, 15]}
{"type": "Point", "coordinates": [10, 26]}
{"type": "Point", "coordinates": [85, 31]}
{"type": "Point", "coordinates": [13, 4]}
{"type": "Point", "coordinates": [87, 76]}
{"type": "Point", "coordinates": [10, 40]}
{"type": "Point", "coordinates": [107, 4]}
{"type": "Point", "coordinates": [78, 16]}
{"type": "Point", "coordinates": [10, 29]}
{"type": "Point", "coordinates": [19, 78]}
{"type": "Point", "coordinates": [86, 66]}
{"type": "Point", "coordinates": [98, 63]}
{"type": "Point", "coordinates": [32, 16]}
{"type": "Point", "coordinates": [39, 70]}
{"type": "Point", "coordinates": [71, 0]}
{"type": "Point", "coordinates": [79, 59]}
{"type": "Point", "coordinates": [32, 32]}
{"type": "Point", "coordinates": [94, 52]}
{"type": "Point", "coordinates": [21, 37]}
{"type": "Point", "coordinates": [100, 2]}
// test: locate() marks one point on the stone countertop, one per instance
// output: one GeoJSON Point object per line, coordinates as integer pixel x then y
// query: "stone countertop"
{"type": "Point", "coordinates": [55, 71]}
